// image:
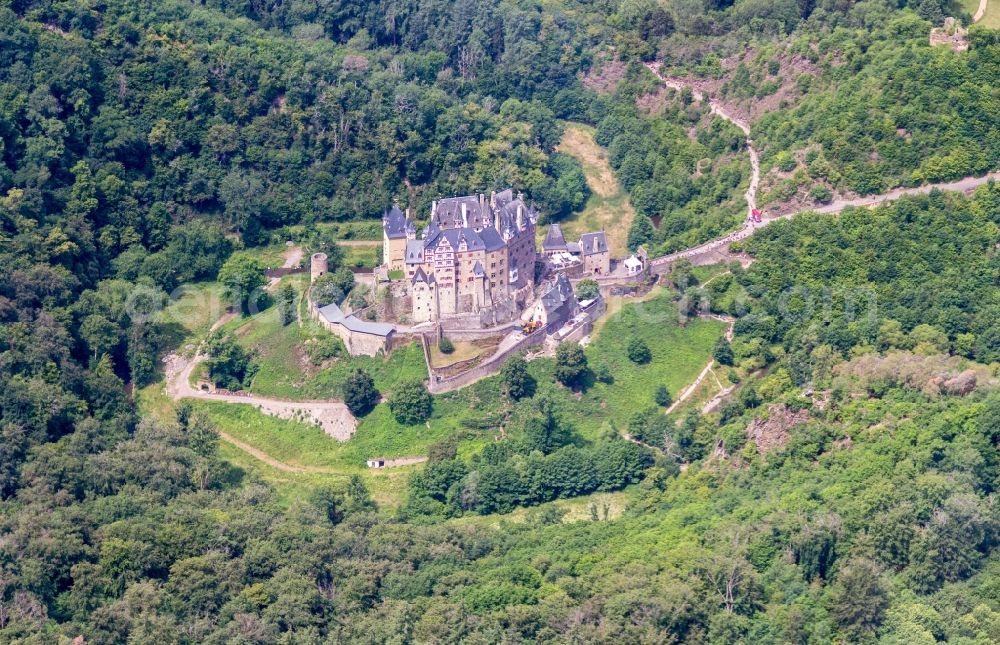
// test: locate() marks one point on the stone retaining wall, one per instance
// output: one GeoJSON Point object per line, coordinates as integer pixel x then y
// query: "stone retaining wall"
{"type": "Point", "coordinates": [437, 385]}
{"type": "Point", "coordinates": [479, 334]}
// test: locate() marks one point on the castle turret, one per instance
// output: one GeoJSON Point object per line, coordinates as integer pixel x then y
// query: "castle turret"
{"type": "Point", "coordinates": [317, 266]}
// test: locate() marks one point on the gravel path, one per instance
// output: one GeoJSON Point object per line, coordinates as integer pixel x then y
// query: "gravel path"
{"type": "Point", "coordinates": [333, 416]}
{"type": "Point", "coordinates": [717, 108]}
{"type": "Point", "coordinates": [690, 389]}
{"type": "Point", "coordinates": [980, 12]}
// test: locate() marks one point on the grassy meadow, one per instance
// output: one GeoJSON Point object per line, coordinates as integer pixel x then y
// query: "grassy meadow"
{"type": "Point", "coordinates": [608, 208]}
{"type": "Point", "coordinates": [990, 19]}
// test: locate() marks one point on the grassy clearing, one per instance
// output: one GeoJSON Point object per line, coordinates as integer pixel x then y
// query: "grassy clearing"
{"type": "Point", "coordinates": [608, 208]}
{"type": "Point", "coordinates": [361, 257]}
{"type": "Point", "coordinates": [990, 19]}
{"type": "Point", "coordinates": [464, 350]}
{"type": "Point", "coordinates": [705, 273]}
{"type": "Point", "coordinates": [362, 230]}
{"type": "Point", "coordinates": [577, 510]}
{"type": "Point", "coordinates": [679, 353]}
{"type": "Point", "coordinates": [308, 447]}
{"type": "Point", "coordinates": [192, 310]}
{"type": "Point", "coordinates": [324, 460]}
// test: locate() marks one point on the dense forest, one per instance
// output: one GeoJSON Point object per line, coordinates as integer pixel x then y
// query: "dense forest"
{"type": "Point", "coordinates": [142, 143]}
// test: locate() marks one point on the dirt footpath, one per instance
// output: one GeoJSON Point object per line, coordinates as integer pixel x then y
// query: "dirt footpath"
{"type": "Point", "coordinates": [333, 416]}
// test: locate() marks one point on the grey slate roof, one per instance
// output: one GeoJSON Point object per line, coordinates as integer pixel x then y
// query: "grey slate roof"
{"type": "Point", "coordinates": [333, 314]}
{"type": "Point", "coordinates": [588, 240]}
{"type": "Point", "coordinates": [394, 223]}
{"type": "Point", "coordinates": [449, 212]}
{"type": "Point", "coordinates": [478, 271]}
{"type": "Point", "coordinates": [364, 327]}
{"type": "Point", "coordinates": [414, 252]}
{"type": "Point", "coordinates": [431, 231]}
{"type": "Point", "coordinates": [554, 240]}
{"type": "Point", "coordinates": [491, 239]}
{"type": "Point", "coordinates": [573, 247]}
{"type": "Point", "coordinates": [487, 239]}
{"type": "Point", "coordinates": [559, 302]}
{"type": "Point", "coordinates": [420, 276]}
{"type": "Point", "coordinates": [491, 223]}
{"type": "Point", "coordinates": [558, 294]}
{"type": "Point", "coordinates": [481, 214]}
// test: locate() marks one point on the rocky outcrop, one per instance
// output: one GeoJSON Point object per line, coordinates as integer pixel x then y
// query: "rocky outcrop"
{"type": "Point", "coordinates": [773, 430]}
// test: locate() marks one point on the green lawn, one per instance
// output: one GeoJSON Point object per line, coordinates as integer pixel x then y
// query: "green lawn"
{"type": "Point", "coordinates": [361, 230]}
{"type": "Point", "coordinates": [192, 311]}
{"type": "Point", "coordinates": [387, 487]}
{"type": "Point", "coordinates": [705, 273]}
{"type": "Point", "coordinates": [362, 257]}
{"type": "Point", "coordinates": [679, 353]}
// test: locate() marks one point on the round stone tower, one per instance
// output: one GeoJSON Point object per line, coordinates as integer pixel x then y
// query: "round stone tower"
{"type": "Point", "coordinates": [318, 266]}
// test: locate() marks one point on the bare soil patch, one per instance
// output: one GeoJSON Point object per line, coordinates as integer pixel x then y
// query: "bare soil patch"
{"type": "Point", "coordinates": [604, 77]}
{"type": "Point", "coordinates": [580, 143]}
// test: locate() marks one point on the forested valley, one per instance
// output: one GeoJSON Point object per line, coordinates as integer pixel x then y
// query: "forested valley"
{"type": "Point", "coordinates": [143, 143]}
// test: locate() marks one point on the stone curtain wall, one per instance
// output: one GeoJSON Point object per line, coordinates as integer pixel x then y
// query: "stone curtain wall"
{"type": "Point", "coordinates": [492, 365]}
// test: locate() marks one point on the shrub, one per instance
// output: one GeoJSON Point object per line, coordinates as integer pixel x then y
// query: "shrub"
{"type": "Point", "coordinates": [785, 161]}
{"type": "Point", "coordinates": [229, 365]}
{"type": "Point", "coordinates": [723, 352]}
{"type": "Point", "coordinates": [663, 397]}
{"type": "Point", "coordinates": [322, 347]}
{"type": "Point", "coordinates": [638, 351]}
{"type": "Point", "coordinates": [587, 289]}
{"type": "Point", "coordinates": [332, 287]}
{"type": "Point", "coordinates": [360, 394]}
{"type": "Point", "coordinates": [445, 345]}
{"type": "Point", "coordinates": [411, 403]}
{"type": "Point", "coordinates": [820, 194]}
{"type": "Point", "coordinates": [571, 364]}
{"type": "Point", "coordinates": [517, 383]}
{"type": "Point", "coordinates": [286, 303]}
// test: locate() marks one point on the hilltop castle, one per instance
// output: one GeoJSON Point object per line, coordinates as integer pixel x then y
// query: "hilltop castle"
{"type": "Point", "coordinates": [474, 254]}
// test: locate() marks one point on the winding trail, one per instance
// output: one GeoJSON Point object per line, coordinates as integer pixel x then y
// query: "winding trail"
{"type": "Point", "coordinates": [713, 248]}
{"type": "Point", "coordinates": [690, 389]}
{"type": "Point", "coordinates": [331, 415]}
{"type": "Point", "coordinates": [717, 108]}
{"type": "Point", "coordinates": [980, 12]}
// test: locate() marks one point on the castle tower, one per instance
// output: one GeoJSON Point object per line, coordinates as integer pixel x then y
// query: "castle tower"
{"type": "Point", "coordinates": [317, 266]}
